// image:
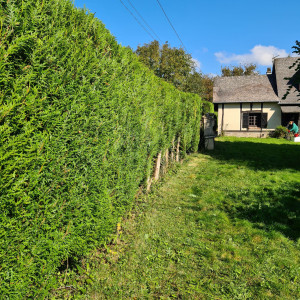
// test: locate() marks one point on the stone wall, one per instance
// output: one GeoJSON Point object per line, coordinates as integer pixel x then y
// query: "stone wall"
{"type": "Point", "coordinates": [256, 134]}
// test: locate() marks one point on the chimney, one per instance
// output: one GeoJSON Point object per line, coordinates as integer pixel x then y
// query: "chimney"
{"type": "Point", "coordinates": [269, 71]}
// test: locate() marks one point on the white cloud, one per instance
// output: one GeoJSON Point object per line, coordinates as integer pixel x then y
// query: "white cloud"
{"type": "Point", "coordinates": [197, 64]}
{"type": "Point", "coordinates": [212, 75]}
{"type": "Point", "coordinates": [259, 55]}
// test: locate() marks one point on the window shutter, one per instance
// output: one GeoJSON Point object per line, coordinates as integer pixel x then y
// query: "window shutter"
{"type": "Point", "coordinates": [264, 120]}
{"type": "Point", "coordinates": [245, 120]}
{"type": "Point", "coordinates": [259, 120]}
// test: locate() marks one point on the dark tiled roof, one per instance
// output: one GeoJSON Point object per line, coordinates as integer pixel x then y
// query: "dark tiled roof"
{"type": "Point", "coordinates": [283, 71]}
{"type": "Point", "coordinates": [261, 88]}
{"type": "Point", "coordinates": [253, 88]}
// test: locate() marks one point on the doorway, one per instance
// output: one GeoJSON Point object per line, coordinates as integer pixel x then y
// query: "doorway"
{"type": "Point", "coordinates": [285, 118]}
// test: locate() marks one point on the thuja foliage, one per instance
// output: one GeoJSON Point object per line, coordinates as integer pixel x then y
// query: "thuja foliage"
{"type": "Point", "coordinates": [82, 121]}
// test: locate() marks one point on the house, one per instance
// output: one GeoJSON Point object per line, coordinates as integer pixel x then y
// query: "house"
{"type": "Point", "coordinates": [254, 105]}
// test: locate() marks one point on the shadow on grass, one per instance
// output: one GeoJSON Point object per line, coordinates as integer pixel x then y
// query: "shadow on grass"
{"type": "Point", "coordinates": [267, 207]}
{"type": "Point", "coordinates": [259, 155]}
{"type": "Point", "coordinates": [270, 209]}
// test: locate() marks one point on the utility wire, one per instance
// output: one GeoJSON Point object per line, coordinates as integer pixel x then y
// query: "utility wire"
{"type": "Point", "coordinates": [137, 19]}
{"type": "Point", "coordinates": [144, 20]}
{"type": "Point", "coordinates": [171, 25]}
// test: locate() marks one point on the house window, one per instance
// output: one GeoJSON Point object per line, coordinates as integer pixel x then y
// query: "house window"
{"type": "Point", "coordinates": [254, 120]}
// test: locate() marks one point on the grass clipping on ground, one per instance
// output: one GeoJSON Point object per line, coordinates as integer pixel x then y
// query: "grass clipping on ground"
{"type": "Point", "coordinates": [225, 226]}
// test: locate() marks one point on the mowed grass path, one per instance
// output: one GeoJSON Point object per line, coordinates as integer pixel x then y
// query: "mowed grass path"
{"type": "Point", "coordinates": [226, 225]}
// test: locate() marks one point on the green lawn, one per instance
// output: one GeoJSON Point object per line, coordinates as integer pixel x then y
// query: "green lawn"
{"type": "Point", "coordinates": [225, 225]}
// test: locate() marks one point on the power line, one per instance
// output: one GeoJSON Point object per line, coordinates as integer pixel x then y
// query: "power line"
{"type": "Point", "coordinates": [144, 20]}
{"type": "Point", "coordinates": [171, 25]}
{"type": "Point", "coordinates": [137, 19]}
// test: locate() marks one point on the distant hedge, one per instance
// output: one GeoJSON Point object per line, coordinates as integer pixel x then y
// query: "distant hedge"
{"type": "Point", "coordinates": [81, 124]}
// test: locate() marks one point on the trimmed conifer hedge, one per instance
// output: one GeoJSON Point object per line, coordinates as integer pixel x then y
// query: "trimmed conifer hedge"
{"type": "Point", "coordinates": [81, 122]}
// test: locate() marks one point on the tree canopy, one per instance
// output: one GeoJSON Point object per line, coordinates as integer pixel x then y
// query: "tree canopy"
{"type": "Point", "coordinates": [176, 66]}
{"type": "Point", "coordinates": [296, 66]}
{"type": "Point", "coordinates": [170, 63]}
{"type": "Point", "coordinates": [248, 69]}
{"type": "Point", "coordinates": [200, 84]}
{"type": "Point", "coordinates": [297, 51]}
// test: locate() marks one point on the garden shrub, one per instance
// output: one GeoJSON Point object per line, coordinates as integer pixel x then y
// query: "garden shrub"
{"type": "Point", "coordinates": [280, 132]}
{"type": "Point", "coordinates": [81, 123]}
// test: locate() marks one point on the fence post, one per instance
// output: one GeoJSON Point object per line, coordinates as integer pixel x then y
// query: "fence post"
{"type": "Point", "coordinates": [166, 161]}
{"type": "Point", "coordinates": [149, 182]}
{"type": "Point", "coordinates": [178, 150]}
{"type": "Point", "coordinates": [157, 167]}
{"type": "Point", "coordinates": [172, 151]}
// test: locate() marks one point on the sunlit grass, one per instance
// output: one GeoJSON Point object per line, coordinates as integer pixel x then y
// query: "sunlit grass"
{"type": "Point", "coordinates": [225, 226]}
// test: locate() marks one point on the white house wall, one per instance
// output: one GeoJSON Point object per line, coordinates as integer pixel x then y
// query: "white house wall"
{"type": "Point", "coordinates": [255, 106]}
{"type": "Point", "coordinates": [274, 114]}
{"type": "Point", "coordinates": [219, 118]}
{"type": "Point", "coordinates": [232, 116]}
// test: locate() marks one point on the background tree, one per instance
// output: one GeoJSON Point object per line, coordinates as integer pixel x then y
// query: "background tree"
{"type": "Point", "coordinates": [200, 84]}
{"type": "Point", "coordinates": [296, 66]}
{"type": "Point", "coordinates": [149, 54]}
{"type": "Point", "coordinates": [208, 82]}
{"type": "Point", "coordinates": [248, 69]}
{"type": "Point", "coordinates": [172, 64]}
{"type": "Point", "coordinates": [297, 51]}
{"type": "Point", "coordinates": [194, 83]}
{"type": "Point", "coordinates": [177, 67]}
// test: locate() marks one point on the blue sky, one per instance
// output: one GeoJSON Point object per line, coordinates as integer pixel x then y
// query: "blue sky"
{"type": "Point", "coordinates": [215, 32]}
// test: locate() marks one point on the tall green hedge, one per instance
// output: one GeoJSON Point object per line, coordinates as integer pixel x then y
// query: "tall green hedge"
{"type": "Point", "coordinates": [81, 121]}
